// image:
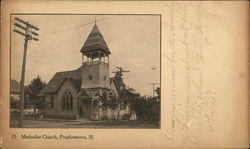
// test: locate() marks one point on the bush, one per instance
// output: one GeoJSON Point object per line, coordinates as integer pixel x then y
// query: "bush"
{"type": "Point", "coordinates": [147, 109]}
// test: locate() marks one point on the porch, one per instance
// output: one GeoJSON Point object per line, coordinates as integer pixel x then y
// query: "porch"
{"type": "Point", "coordinates": [88, 108]}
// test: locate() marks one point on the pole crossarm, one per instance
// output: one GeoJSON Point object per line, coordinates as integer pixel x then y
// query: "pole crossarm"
{"type": "Point", "coordinates": [26, 35]}
{"type": "Point", "coordinates": [19, 32]}
{"type": "Point", "coordinates": [120, 71]}
{"type": "Point", "coordinates": [33, 38]}
{"type": "Point", "coordinates": [29, 34]}
{"type": "Point", "coordinates": [19, 25]}
{"type": "Point", "coordinates": [152, 83]}
{"type": "Point", "coordinates": [34, 33]}
{"type": "Point", "coordinates": [26, 23]}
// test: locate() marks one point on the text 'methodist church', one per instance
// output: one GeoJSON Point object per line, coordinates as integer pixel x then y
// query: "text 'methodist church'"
{"type": "Point", "coordinates": [76, 94]}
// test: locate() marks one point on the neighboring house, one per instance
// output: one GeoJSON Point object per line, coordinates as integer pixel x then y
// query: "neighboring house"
{"type": "Point", "coordinates": [15, 98]}
{"type": "Point", "coordinates": [14, 95]}
{"type": "Point", "coordinates": [76, 93]}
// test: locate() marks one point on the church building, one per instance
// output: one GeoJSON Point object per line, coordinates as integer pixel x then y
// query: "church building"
{"type": "Point", "coordinates": [77, 93]}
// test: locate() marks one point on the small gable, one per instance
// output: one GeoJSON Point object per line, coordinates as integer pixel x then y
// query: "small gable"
{"type": "Point", "coordinates": [90, 93]}
{"type": "Point", "coordinates": [118, 83]}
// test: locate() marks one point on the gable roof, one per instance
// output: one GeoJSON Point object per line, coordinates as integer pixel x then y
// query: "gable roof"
{"type": "Point", "coordinates": [74, 76]}
{"type": "Point", "coordinates": [118, 82]}
{"type": "Point", "coordinates": [95, 41]}
{"type": "Point", "coordinates": [58, 79]}
{"type": "Point", "coordinates": [15, 87]}
{"type": "Point", "coordinates": [89, 92]}
{"type": "Point", "coordinates": [76, 82]}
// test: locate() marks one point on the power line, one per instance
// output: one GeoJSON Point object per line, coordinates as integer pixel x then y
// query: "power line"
{"type": "Point", "coordinates": [78, 26]}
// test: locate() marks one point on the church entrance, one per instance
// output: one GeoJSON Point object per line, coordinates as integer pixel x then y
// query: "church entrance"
{"type": "Point", "coordinates": [88, 109]}
{"type": "Point", "coordinates": [85, 109]}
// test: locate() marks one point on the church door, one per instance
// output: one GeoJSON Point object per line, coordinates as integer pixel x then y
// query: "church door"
{"type": "Point", "coordinates": [85, 109]}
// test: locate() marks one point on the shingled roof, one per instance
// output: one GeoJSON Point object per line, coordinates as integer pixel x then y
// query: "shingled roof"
{"type": "Point", "coordinates": [94, 42]}
{"type": "Point", "coordinates": [57, 80]}
{"type": "Point", "coordinates": [118, 82]}
{"type": "Point", "coordinates": [15, 87]}
{"type": "Point", "coordinates": [74, 76]}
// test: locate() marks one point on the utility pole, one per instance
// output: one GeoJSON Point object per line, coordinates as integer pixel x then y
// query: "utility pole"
{"type": "Point", "coordinates": [118, 73]}
{"type": "Point", "coordinates": [153, 84]}
{"type": "Point", "coordinates": [28, 33]}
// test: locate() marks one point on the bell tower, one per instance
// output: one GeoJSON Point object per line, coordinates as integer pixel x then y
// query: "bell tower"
{"type": "Point", "coordinates": [95, 61]}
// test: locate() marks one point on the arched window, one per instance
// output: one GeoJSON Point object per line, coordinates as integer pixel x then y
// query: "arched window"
{"type": "Point", "coordinates": [52, 102]}
{"type": "Point", "coordinates": [67, 100]}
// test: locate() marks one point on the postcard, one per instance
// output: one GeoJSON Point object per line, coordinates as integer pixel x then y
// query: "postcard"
{"type": "Point", "coordinates": [124, 74]}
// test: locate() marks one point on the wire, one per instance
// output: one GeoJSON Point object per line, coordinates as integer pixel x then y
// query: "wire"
{"type": "Point", "coordinates": [77, 26]}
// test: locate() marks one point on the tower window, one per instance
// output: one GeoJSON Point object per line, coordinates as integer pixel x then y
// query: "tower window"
{"type": "Point", "coordinates": [90, 77]}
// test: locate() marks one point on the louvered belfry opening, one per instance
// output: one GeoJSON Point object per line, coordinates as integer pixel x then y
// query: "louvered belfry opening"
{"type": "Point", "coordinates": [95, 48]}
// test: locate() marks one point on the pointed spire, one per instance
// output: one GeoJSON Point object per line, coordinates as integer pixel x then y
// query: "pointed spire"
{"type": "Point", "coordinates": [95, 20]}
{"type": "Point", "coordinates": [95, 42]}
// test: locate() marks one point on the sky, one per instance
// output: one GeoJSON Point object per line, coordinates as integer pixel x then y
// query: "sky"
{"type": "Point", "coordinates": [134, 42]}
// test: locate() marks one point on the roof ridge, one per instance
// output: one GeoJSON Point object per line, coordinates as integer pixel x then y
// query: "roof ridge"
{"type": "Point", "coordinates": [69, 70]}
{"type": "Point", "coordinates": [66, 71]}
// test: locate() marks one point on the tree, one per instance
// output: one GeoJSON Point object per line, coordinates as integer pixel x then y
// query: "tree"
{"type": "Point", "coordinates": [158, 92]}
{"type": "Point", "coordinates": [35, 87]}
{"type": "Point", "coordinates": [147, 109]}
{"type": "Point", "coordinates": [125, 97]}
{"type": "Point", "coordinates": [128, 97]}
{"type": "Point", "coordinates": [109, 100]}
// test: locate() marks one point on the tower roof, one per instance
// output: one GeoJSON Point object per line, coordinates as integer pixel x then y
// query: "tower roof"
{"type": "Point", "coordinates": [95, 42]}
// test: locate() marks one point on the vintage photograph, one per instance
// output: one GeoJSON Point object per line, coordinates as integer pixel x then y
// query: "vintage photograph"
{"type": "Point", "coordinates": [124, 74]}
{"type": "Point", "coordinates": [85, 71]}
